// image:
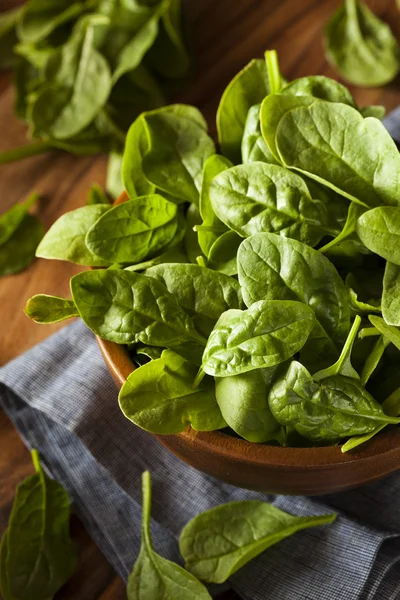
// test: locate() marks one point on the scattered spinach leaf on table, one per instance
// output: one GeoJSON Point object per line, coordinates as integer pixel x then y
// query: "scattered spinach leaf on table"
{"type": "Point", "coordinates": [50, 309]}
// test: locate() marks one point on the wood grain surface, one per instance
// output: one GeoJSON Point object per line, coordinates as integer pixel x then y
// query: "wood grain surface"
{"type": "Point", "coordinates": [225, 35]}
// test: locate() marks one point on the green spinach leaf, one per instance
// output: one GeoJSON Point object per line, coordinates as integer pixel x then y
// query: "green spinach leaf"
{"type": "Point", "coordinates": [254, 147]}
{"type": "Point", "coordinates": [153, 577]}
{"type": "Point", "coordinates": [222, 256]}
{"type": "Point", "coordinates": [391, 295]}
{"type": "Point", "coordinates": [18, 252]}
{"type": "Point", "coordinates": [12, 218]}
{"type": "Point", "coordinates": [392, 333]}
{"type": "Point", "coordinates": [49, 309]}
{"type": "Point", "coordinates": [379, 230]}
{"type": "Point", "coordinates": [220, 541]}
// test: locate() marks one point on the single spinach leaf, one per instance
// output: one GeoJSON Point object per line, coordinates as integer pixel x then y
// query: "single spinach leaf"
{"type": "Point", "coordinates": [178, 148]}
{"type": "Point", "coordinates": [343, 365]}
{"type": "Point", "coordinates": [223, 253]}
{"type": "Point", "coordinates": [320, 87]}
{"type": "Point", "coordinates": [254, 147]}
{"type": "Point", "coordinates": [366, 171]}
{"type": "Point", "coordinates": [136, 146]}
{"type": "Point", "coordinates": [12, 218]}
{"type": "Point", "coordinates": [266, 334]}
{"type": "Point", "coordinates": [135, 230]}
{"type": "Point", "coordinates": [18, 252]}
{"type": "Point", "coordinates": [361, 47]}
{"type": "Point", "coordinates": [79, 85]}
{"type": "Point", "coordinates": [125, 307]}
{"type": "Point", "coordinates": [392, 333]}
{"type": "Point", "coordinates": [37, 555]}
{"type": "Point", "coordinates": [260, 197]}
{"type": "Point", "coordinates": [211, 228]}
{"type": "Point", "coordinates": [335, 408]}
{"type": "Point", "coordinates": [275, 268]}
{"type": "Point", "coordinates": [243, 400]}
{"type": "Point", "coordinates": [50, 309]}
{"type": "Point", "coordinates": [65, 240]}
{"type": "Point", "coordinates": [391, 295]}
{"type": "Point", "coordinates": [159, 397]}
{"type": "Point", "coordinates": [220, 541]}
{"type": "Point", "coordinates": [203, 293]}
{"type": "Point", "coordinates": [246, 89]}
{"type": "Point", "coordinates": [379, 230]}
{"type": "Point", "coordinates": [374, 358]}
{"type": "Point", "coordinates": [153, 577]}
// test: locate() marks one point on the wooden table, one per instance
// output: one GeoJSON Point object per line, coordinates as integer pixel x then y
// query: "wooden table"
{"type": "Point", "coordinates": [226, 36]}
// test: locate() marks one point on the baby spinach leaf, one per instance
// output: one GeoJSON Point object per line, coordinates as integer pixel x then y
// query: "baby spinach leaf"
{"type": "Point", "coordinates": [379, 230]}
{"type": "Point", "coordinates": [203, 293]}
{"type": "Point", "coordinates": [367, 173]}
{"type": "Point", "coordinates": [12, 218]}
{"type": "Point", "coordinates": [50, 309]}
{"type": "Point", "coordinates": [360, 46]}
{"type": "Point", "coordinates": [246, 89]}
{"type": "Point", "coordinates": [391, 295]}
{"type": "Point", "coordinates": [159, 397]}
{"type": "Point", "coordinates": [36, 555]}
{"type": "Point", "coordinates": [254, 147]}
{"type": "Point", "coordinates": [125, 307]}
{"type": "Point", "coordinates": [136, 147]}
{"type": "Point", "coordinates": [79, 88]}
{"type": "Point", "coordinates": [8, 38]}
{"type": "Point", "coordinates": [243, 400]}
{"type": "Point", "coordinates": [335, 408]}
{"type": "Point", "coordinates": [178, 148]}
{"type": "Point", "coordinates": [343, 365]}
{"type": "Point", "coordinates": [223, 253]}
{"type": "Point", "coordinates": [220, 541]}
{"type": "Point", "coordinates": [275, 268]}
{"type": "Point", "coordinates": [65, 240]}
{"type": "Point", "coordinates": [135, 230]}
{"type": "Point", "coordinates": [392, 333]}
{"type": "Point", "coordinates": [153, 577]}
{"type": "Point", "coordinates": [320, 87]}
{"type": "Point", "coordinates": [266, 334]}
{"type": "Point", "coordinates": [261, 197]}
{"type": "Point", "coordinates": [17, 253]}
{"type": "Point", "coordinates": [211, 228]}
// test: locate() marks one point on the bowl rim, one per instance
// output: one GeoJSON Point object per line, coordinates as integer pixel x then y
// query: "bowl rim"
{"type": "Point", "coordinates": [238, 449]}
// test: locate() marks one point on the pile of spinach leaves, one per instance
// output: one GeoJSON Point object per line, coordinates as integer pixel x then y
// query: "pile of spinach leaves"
{"type": "Point", "coordinates": [256, 288]}
{"type": "Point", "coordinates": [84, 70]}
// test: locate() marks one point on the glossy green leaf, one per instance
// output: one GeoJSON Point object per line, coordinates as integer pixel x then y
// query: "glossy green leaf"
{"type": "Point", "coordinates": [391, 295]}
{"type": "Point", "coordinates": [17, 253]}
{"type": "Point", "coordinates": [379, 230]}
{"type": "Point", "coordinates": [65, 240]}
{"type": "Point", "coordinates": [361, 47]}
{"type": "Point", "coordinates": [114, 184]}
{"type": "Point", "coordinates": [135, 230]}
{"type": "Point", "coordinates": [260, 197]}
{"type": "Point", "coordinates": [203, 293]}
{"type": "Point", "coordinates": [125, 307]}
{"type": "Point", "coordinates": [374, 358]}
{"type": "Point", "coordinates": [220, 541]}
{"type": "Point", "coordinates": [367, 172]}
{"type": "Point", "coordinates": [275, 268]}
{"type": "Point", "coordinates": [211, 228]}
{"type": "Point", "coordinates": [337, 407]}
{"type": "Point", "coordinates": [50, 309]}
{"type": "Point", "coordinates": [178, 148]}
{"type": "Point", "coordinates": [12, 218]}
{"type": "Point", "coordinates": [320, 87]}
{"type": "Point", "coordinates": [223, 253]}
{"type": "Point", "coordinates": [243, 400]}
{"type": "Point", "coordinates": [266, 334]}
{"type": "Point", "coordinates": [153, 577]}
{"type": "Point", "coordinates": [246, 89]}
{"type": "Point", "coordinates": [159, 397]}
{"type": "Point", "coordinates": [37, 556]}
{"type": "Point", "coordinates": [136, 147]}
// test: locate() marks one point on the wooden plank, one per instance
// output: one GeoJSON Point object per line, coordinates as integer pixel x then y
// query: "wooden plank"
{"type": "Point", "coordinates": [225, 36]}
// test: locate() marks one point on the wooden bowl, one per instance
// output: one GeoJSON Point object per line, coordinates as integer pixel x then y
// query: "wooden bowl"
{"type": "Point", "coordinates": [298, 471]}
